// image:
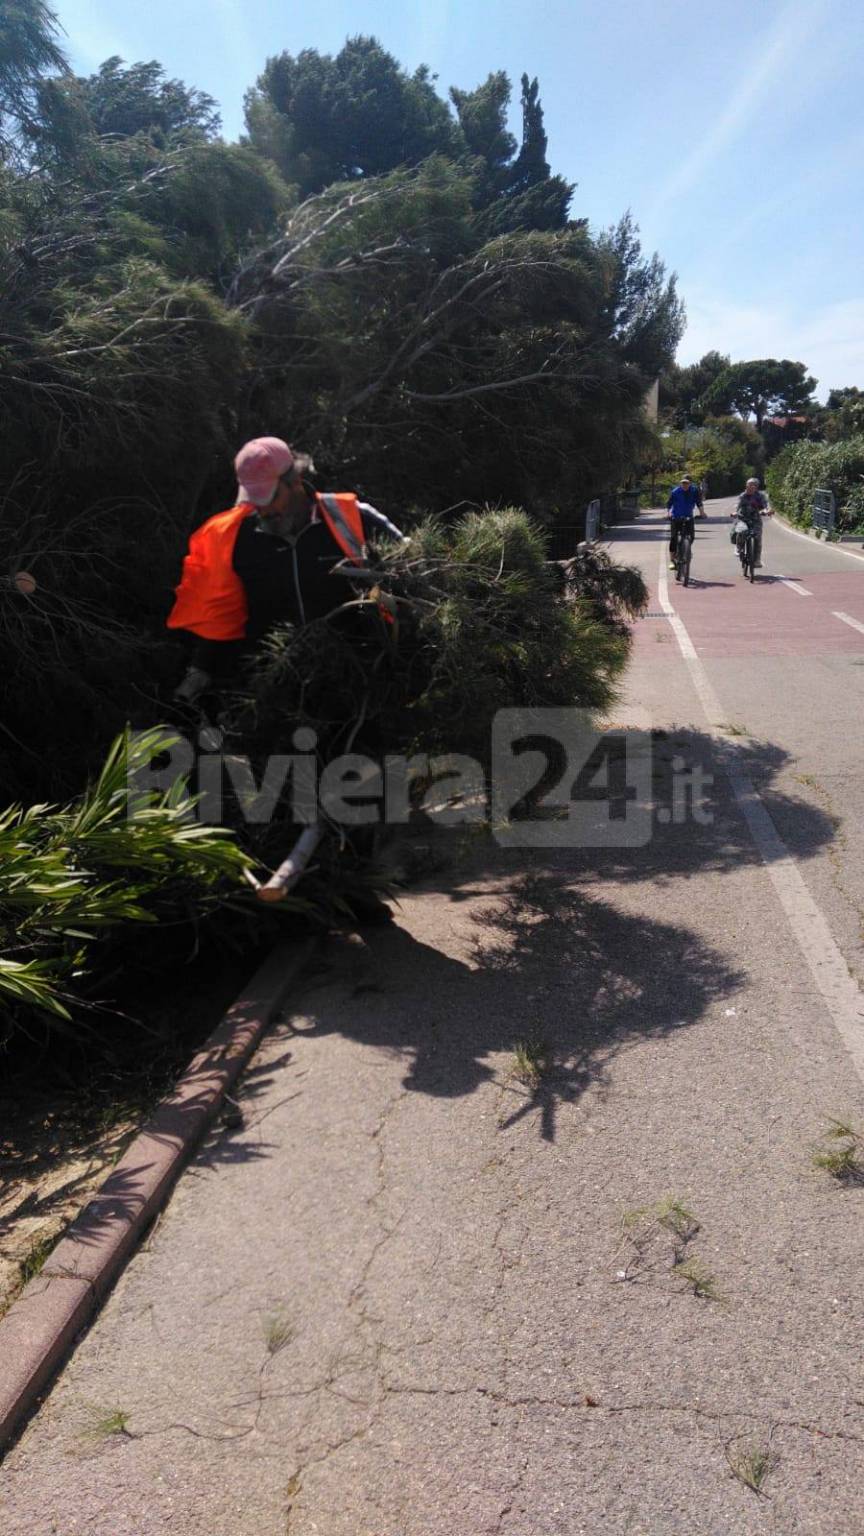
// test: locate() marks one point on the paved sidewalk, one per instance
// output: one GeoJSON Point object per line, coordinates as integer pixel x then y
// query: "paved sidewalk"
{"type": "Point", "coordinates": [389, 1306]}
{"type": "Point", "coordinates": [392, 1304]}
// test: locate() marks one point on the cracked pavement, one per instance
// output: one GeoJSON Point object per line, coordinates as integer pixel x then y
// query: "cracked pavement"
{"type": "Point", "coordinates": [472, 1351]}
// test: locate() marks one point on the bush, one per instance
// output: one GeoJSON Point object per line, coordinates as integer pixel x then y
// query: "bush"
{"type": "Point", "coordinates": [75, 878]}
{"type": "Point", "coordinates": [803, 468]}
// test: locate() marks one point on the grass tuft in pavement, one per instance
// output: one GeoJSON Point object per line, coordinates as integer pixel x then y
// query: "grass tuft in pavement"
{"type": "Point", "coordinates": [278, 1332]}
{"type": "Point", "coordinates": [841, 1153]}
{"type": "Point", "coordinates": [751, 1464]}
{"type": "Point", "coordinates": [698, 1278]}
{"type": "Point", "coordinates": [670, 1213]}
{"type": "Point", "coordinates": [532, 1060]}
{"type": "Point", "coordinates": [103, 1424]}
{"type": "Point", "coordinates": [659, 1236]}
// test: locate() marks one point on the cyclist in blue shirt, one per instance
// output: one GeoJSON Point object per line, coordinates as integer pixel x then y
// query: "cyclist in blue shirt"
{"type": "Point", "coordinates": [682, 502]}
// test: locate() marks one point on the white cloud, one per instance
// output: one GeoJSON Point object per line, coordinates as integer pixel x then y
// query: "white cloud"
{"type": "Point", "coordinates": [829, 340]}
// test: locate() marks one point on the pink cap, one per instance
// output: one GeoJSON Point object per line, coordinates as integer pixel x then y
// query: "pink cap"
{"type": "Point", "coordinates": [259, 465]}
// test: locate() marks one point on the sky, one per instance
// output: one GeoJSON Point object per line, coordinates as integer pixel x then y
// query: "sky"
{"type": "Point", "coordinates": [733, 132]}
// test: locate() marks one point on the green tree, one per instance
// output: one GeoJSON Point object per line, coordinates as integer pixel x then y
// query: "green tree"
{"type": "Point", "coordinates": [28, 51]}
{"type": "Point", "coordinates": [217, 202]}
{"type": "Point", "coordinates": [118, 383]}
{"type": "Point", "coordinates": [642, 309]}
{"type": "Point", "coordinates": [517, 190]}
{"type": "Point", "coordinates": [404, 342]}
{"type": "Point", "coordinates": [682, 389]}
{"type": "Point", "coordinates": [843, 415]}
{"type": "Point", "coordinates": [761, 387]}
{"type": "Point", "coordinates": [535, 199]}
{"type": "Point", "coordinates": [122, 100]}
{"type": "Point", "coordinates": [837, 398]}
{"type": "Point", "coordinates": [433, 342]}
{"type": "Point", "coordinates": [531, 164]}
{"type": "Point", "coordinates": [78, 121]}
{"type": "Point", "coordinates": [323, 119]}
{"type": "Point", "coordinates": [482, 115]}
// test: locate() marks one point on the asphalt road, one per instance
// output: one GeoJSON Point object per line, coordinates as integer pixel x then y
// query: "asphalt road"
{"type": "Point", "coordinates": [413, 1295]}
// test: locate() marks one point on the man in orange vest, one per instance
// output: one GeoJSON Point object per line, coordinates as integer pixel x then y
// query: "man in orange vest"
{"type": "Point", "coordinates": [267, 560]}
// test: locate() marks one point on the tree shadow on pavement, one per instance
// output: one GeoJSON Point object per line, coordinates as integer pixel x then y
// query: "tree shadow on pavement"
{"type": "Point", "coordinates": [545, 961]}
{"type": "Point", "coordinates": [179, 1121]}
{"type": "Point", "coordinates": [691, 822]}
{"type": "Point", "coordinates": [695, 824]}
{"type": "Point", "coordinates": [550, 958]}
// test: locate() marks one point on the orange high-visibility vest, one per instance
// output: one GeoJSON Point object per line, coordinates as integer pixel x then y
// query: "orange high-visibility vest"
{"type": "Point", "coordinates": [211, 598]}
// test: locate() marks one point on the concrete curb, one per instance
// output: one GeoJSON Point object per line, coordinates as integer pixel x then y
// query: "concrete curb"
{"type": "Point", "coordinates": [43, 1323]}
{"type": "Point", "coordinates": [809, 533]}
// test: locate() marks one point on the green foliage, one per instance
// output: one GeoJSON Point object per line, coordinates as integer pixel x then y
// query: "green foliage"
{"type": "Point", "coordinates": [439, 336]}
{"type": "Point", "coordinates": [761, 387]}
{"type": "Point", "coordinates": [805, 467]}
{"type": "Point", "coordinates": [482, 115]}
{"type": "Point", "coordinates": [751, 1463]}
{"type": "Point", "coordinates": [843, 416]}
{"type": "Point", "coordinates": [405, 343]}
{"type": "Point", "coordinates": [96, 124]}
{"type": "Point", "coordinates": [219, 201]}
{"type": "Point", "coordinates": [682, 389]}
{"type": "Point", "coordinates": [698, 1278]}
{"type": "Point", "coordinates": [612, 594]}
{"type": "Point", "coordinates": [502, 635]}
{"type": "Point", "coordinates": [513, 190]}
{"type": "Point", "coordinates": [723, 453]}
{"type": "Point", "coordinates": [323, 119]}
{"type": "Point", "coordinates": [532, 1061]}
{"type": "Point", "coordinates": [117, 385]}
{"type": "Point", "coordinates": [69, 876]}
{"type": "Point", "coordinates": [641, 307]}
{"type": "Point", "coordinates": [124, 100]}
{"type": "Point", "coordinates": [841, 1153]}
{"type": "Point", "coordinates": [28, 48]}
{"type": "Point", "coordinates": [486, 622]}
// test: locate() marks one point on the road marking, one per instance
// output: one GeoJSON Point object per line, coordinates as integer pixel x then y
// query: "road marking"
{"type": "Point", "coordinates": [795, 586]}
{"type": "Point", "coordinates": [839, 990]}
{"type": "Point", "coordinates": [847, 620]}
{"type": "Point", "coordinates": [817, 543]}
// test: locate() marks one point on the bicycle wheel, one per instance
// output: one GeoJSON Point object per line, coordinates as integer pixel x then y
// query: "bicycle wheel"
{"type": "Point", "coordinates": [751, 558]}
{"type": "Point", "coordinates": [686, 553]}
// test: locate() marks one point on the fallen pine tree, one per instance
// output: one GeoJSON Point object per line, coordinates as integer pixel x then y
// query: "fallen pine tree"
{"type": "Point", "coordinates": [484, 621]}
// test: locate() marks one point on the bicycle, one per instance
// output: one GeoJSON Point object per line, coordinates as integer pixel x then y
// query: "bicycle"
{"type": "Point", "coordinates": [683, 556]}
{"type": "Point", "coordinates": [746, 545]}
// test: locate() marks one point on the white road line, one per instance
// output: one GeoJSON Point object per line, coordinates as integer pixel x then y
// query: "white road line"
{"type": "Point", "coordinates": [817, 543]}
{"type": "Point", "coordinates": [702, 683]}
{"type": "Point", "coordinates": [795, 586]}
{"type": "Point", "coordinates": [839, 990]}
{"type": "Point", "coordinates": [856, 624]}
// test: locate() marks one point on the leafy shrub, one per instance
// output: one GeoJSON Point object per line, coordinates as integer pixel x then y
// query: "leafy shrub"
{"type": "Point", "coordinates": [72, 877]}
{"type": "Point", "coordinates": [805, 467]}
